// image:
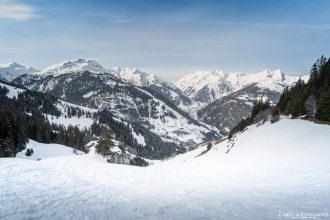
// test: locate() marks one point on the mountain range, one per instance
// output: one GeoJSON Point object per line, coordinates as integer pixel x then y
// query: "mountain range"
{"type": "Point", "coordinates": [165, 129]}
{"type": "Point", "coordinates": [209, 86]}
{"type": "Point", "coordinates": [10, 71]}
{"type": "Point", "coordinates": [194, 109]}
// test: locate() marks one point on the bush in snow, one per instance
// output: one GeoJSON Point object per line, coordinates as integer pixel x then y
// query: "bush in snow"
{"type": "Point", "coordinates": [275, 115]}
{"type": "Point", "coordinates": [209, 146]}
{"type": "Point", "coordinates": [28, 152]}
{"type": "Point", "coordinates": [138, 161]}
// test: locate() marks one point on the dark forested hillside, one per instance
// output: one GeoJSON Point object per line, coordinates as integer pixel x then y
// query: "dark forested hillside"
{"type": "Point", "coordinates": [29, 115]}
{"type": "Point", "coordinates": [22, 118]}
{"type": "Point", "coordinates": [154, 147]}
{"type": "Point", "coordinates": [312, 98]}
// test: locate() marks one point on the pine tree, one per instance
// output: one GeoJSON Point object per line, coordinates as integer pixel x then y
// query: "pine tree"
{"type": "Point", "coordinates": [105, 144]}
{"type": "Point", "coordinates": [323, 108]}
{"type": "Point", "coordinates": [209, 146]}
{"type": "Point", "coordinates": [122, 143]}
{"type": "Point", "coordinates": [275, 115]}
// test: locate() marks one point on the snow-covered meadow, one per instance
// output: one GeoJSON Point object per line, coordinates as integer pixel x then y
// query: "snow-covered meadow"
{"type": "Point", "coordinates": [273, 171]}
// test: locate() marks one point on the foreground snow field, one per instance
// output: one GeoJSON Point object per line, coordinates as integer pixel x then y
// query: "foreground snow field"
{"type": "Point", "coordinates": [272, 171]}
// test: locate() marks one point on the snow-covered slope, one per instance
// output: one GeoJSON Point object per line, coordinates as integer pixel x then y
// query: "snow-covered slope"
{"type": "Point", "coordinates": [43, 151]}
{"type": "Point", "coordinates": [10, 71]}
{"type": "Point", "coordinates": [208, 86]}
{"type": "Point", "coordinates": [267, 172]}
{"type": "Point", "coordinates": [12, 90]}
{"type": "Point", "coordinates": [82, 121]}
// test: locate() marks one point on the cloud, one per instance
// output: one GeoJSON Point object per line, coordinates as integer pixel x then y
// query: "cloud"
{"type": "Point", "coordinates": [13, 11]}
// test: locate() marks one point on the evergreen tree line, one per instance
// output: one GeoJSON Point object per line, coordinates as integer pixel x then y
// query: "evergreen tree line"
{"type": "Point", "coordinates": [260, 111]}
{"type": "Point", "coordinates": [76, 112]}
{"type": "Point", "coordinates": [155, 147]}
{"type": "Point", "coordinates": [105, 145]}
{"type": "Point", "coordinates": [23, 118]}
{"type": "Point", "coordinates": [312, 98]}
{"type": "Point", "coordinates": [72, 136]}
{"type": "Point", "coordinates": [17, 126]}
{"type": "Point", "coordinates": [118, 129]}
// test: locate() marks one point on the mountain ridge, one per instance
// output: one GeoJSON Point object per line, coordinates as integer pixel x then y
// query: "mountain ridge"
{"type": "Point", "coordinates": [10, 71]}
{"type": "Point", "coordinates": [208, 86]}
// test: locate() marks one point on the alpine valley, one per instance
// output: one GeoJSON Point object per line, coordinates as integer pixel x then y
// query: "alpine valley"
{"type": "Point", "coordinates": [195, 109]}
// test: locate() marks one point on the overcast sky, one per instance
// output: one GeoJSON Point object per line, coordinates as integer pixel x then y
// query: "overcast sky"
{"type": "Point", "coordinates": [168, 38]}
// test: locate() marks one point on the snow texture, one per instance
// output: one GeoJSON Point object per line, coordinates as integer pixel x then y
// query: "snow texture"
{"type": "Point", "coordinates": [263, 173]}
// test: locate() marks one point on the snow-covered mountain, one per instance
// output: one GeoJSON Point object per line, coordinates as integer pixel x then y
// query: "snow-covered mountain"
{"type": "Point", "coordinates": [10, 71]}
{"type": "Point", "coordinates": [229, 97]}
{"type": "Point", "coordinates": [132, 76]}
{"type": "Point", "coordinates": [73, 66]}
{"type": "Point", "coordinates": [85, 82]}
{"type": "Point", "coordinates": [227, 111]}
{"type": "Point", "coordinates": [208, 86]}
{"type": "Point", "coordinates": [266, 172]}
{"type": "Point", "coordinates": [137, 77]}
{"type": "Point", "coordinates": [142, 79]}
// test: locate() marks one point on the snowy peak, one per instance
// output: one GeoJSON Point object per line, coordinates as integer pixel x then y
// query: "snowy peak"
{"type": "Point", "coordinates": [276, 75]}
{"type": "Point", "coordinates": [10, 71]}
{"type": "Point", "coordinates": [208, 86]}
{"type": "Point", "coordinates": [199, 79]}
{"type": "Point", "coordinates": [142, 79]}
{"type": "Point", "coordinates": [73, 66]}
{"type": "Point", "coordinates": [134, 76]}
{"type": "Point", "coordinates": [137, 77]}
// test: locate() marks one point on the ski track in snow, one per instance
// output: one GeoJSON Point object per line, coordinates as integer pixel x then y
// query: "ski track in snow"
{"type": "Point", "coordinates": [275, 168]}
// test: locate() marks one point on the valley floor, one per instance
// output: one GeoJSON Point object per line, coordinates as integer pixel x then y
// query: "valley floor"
{"type": "Point", "coordinates": [274, 171]}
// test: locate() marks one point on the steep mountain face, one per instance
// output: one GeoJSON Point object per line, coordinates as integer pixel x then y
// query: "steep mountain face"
{"type": "Point", "coordinates": [142, 79]}
{"type": "Point", "coordinates": [227, 111]}
{"type": "Point", "coordinates": [208, 86]}
{"type": "Point", "coordinates": [10, 71]}
{"type": "Point", "coordinates": [86, 83]}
